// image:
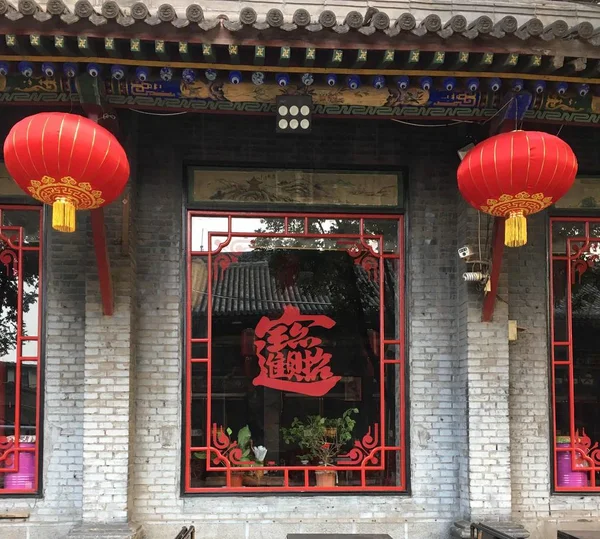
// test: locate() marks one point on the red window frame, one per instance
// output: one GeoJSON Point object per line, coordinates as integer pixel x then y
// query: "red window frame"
{"type": "Point", "coordinates": [372, 448]}
{"type": "Point", "coordinates": [11, 251]}
{"type": "Point", "coordinates": [584, 452]}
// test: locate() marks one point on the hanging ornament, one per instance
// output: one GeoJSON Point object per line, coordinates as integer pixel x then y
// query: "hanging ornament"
{"type": "Point", "coordinates": [68, 161]}
{"type": "Point", "coordinates": [516, 174]}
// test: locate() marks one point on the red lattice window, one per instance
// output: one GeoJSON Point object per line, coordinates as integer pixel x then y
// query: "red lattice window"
{"type": "Point", "coordinates": [20, 347]}
{"type": "Point", "coordinates": [575, 303]}
{"type": "Point", "coordinates": [295, 353]}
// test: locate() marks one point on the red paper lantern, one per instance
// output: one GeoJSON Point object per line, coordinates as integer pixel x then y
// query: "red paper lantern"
{"type": "Point", "coordinates": [515, 174]}
{"type": "Point", "coordinates": [68, 161]}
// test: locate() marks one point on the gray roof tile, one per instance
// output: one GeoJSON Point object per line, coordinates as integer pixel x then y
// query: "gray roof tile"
{"type": "Point", "coordinates": [550, 20]}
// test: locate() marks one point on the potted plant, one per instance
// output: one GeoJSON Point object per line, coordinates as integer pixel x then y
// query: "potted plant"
{"type": "Point", "coordinates": [259, 452]}
{"type": "Point", "coordinates": [244, 443]}
{"type": "Point", "coordinates": [323, 439]}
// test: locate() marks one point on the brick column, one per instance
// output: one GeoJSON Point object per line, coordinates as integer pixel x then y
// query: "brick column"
{"type": "Point", "coordinates": [109, 373]}
{"type": "Point", "coordinates": [484, 475]}
{"type": "Point", "coordinates": [108, 391]}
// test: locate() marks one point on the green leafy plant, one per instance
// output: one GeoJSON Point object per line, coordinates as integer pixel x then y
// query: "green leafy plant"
{"type": "Point", "coordinates": [321, 437]}
{"type": "Point", "coordinates": [244, 443]}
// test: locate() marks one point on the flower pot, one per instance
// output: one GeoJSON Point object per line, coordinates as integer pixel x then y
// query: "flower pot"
{"type": "Point", "coordinates": [25, 477]}
{"type": "Point", "coordinates": [566, 475]}
{"type": "Point", "coordinates": [325, 478]}
{"type": "Point", "coordinates": [237, 479]}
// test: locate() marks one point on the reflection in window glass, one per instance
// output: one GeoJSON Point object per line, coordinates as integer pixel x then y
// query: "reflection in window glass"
{"type": "Point", "coordinates": [296, 394]}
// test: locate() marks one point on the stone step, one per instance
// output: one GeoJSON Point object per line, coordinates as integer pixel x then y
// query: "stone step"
{"type": "Point", "coordinates": [337, 536]}
{"type": "Point", "coordinates": [105, 531]}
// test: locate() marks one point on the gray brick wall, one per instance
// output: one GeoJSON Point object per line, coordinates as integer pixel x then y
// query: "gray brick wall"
{"type": "Point", "coordinates": [62, 473]}
{"type": "Point", "coordinates": [483, 380]}
{"type": "Point", "coordinates": [432, 267]}
{"type": "Point", "coordinates": [529, 407]}
{"type": "Point", "coordinates": [492, 462]}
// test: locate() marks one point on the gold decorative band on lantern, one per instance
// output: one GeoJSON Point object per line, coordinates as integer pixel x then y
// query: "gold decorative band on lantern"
{"type": "Point", "coordinates": [515, 231]}
{"type": "Point", "coordinates": [83, 196]}
{"type": "Point", "coordinates": [63, 215]}
{"type": "Point", "coordinates": [524, 202]}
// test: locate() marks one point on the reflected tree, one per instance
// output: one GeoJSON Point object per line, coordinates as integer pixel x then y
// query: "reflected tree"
{"type": "Point", "coordinates": [28, 272]}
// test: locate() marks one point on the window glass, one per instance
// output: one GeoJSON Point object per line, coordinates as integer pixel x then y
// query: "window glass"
{"type": "Point", "coordinates": [296, 360]}
{"type": "Point", "coordinates": [576, 360]}
{"type": "Point", "coordinates": [20, 300]}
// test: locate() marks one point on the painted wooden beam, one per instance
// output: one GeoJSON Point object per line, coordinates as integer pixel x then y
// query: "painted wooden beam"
{"type": "Point", "coordinates": [460, 60]}
{"type": "Point", "coordinates": [184, 50]}
{"type": "Point", "coordinates": [533, 62]}
{"type": "Point", "coordinates": [39, 43]}
{"type": "Point", "coordinates": [437, 60]}
{"type": "Point", "coordinates": [160, 49]}
{"type": "Point", "coordinates": [12, 42]}
{"type": "Point", "coordinates": [310, 56]}
{"type": "Point", "coordinates": [413, 58]}
{"type": "Point", "coordinates": [388, 58]}
{"type": "Point", "coordinates": [234, 54]}
{"type": "Point", "coordinates": [489, 301]}
{"type": "Point", "coordinates": [361, 57]}
{"type": "Point", "coordinates": [208, 53]}
{"type": "Point", "coordinates": [135, 47]}
{"type": "Point", "coordinates": [111, 47]}
{"type": "Point", "coordinates": [85, 46]}
{"type": "Point", "coordinates": [485, 60]}
{"type": "Point", "coordinates": [302, 69]}
{"type": "Point", "coordinates": [335, 58]}
{"type": "Point", "coordinates": [510, 61]}
{"type": "Point", "coordinates": [62, 46]}
{"type": "Point", "coordinates": [285, 53]}
{"type": "Point", "coordinates": [102, 261]}
{"type": "Point", "coordinates": [260, 51]}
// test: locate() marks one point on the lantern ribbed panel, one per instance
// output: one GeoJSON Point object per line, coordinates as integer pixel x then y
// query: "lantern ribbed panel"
{"type": "Point", "coordinates": [516, 174]}
{"type": "Point", "coordinates": [66, 158]}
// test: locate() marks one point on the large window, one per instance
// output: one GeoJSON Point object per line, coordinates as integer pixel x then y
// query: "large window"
{"type": "Point", "coordinates": [295, 373]}
{"type": "Point", "coordinates": [20, 347]}
{"type": "Point", "coordinates": [575, 302]}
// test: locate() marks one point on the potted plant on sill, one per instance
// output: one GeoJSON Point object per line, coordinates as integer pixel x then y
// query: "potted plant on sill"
{"type": "Point", "coordinates": [244, 443]}
{"type": "Point", "coordinates": [254, 476]}
{"type": "Point", "coordinates": [323, 439]}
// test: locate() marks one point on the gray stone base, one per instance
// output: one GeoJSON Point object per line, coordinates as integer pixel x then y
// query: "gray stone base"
{"type": "Point", "coordinates": [461, 529]}
{"type": "Point", "coordinates": [106, 531]}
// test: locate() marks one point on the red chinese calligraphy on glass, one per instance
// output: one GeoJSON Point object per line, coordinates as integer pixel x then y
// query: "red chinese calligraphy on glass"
{"type": "Point", "coordinates": [290, 359]}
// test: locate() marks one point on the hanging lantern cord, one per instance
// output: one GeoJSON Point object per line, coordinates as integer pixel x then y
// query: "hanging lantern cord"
{"type": "Point", "coordinates": [515, 229]}
{"type": "Point", "coordinates": [63, 215]}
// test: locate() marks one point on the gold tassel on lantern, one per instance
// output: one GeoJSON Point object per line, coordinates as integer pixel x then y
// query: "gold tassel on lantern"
{"type": "Point", "coordinates": [515, 231]}
{"type": "Point", "coordinates": [63, 215]}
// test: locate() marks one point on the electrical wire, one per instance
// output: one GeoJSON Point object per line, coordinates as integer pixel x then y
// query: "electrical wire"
{"type": "Point", "coordinates": [499, 111]}
{"type": "Point", "coordinates": [432, 125]}
{"type": "Point", "coordinates": [457, 122]}
{"type": "Point", "coordinates": [158, 113]}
